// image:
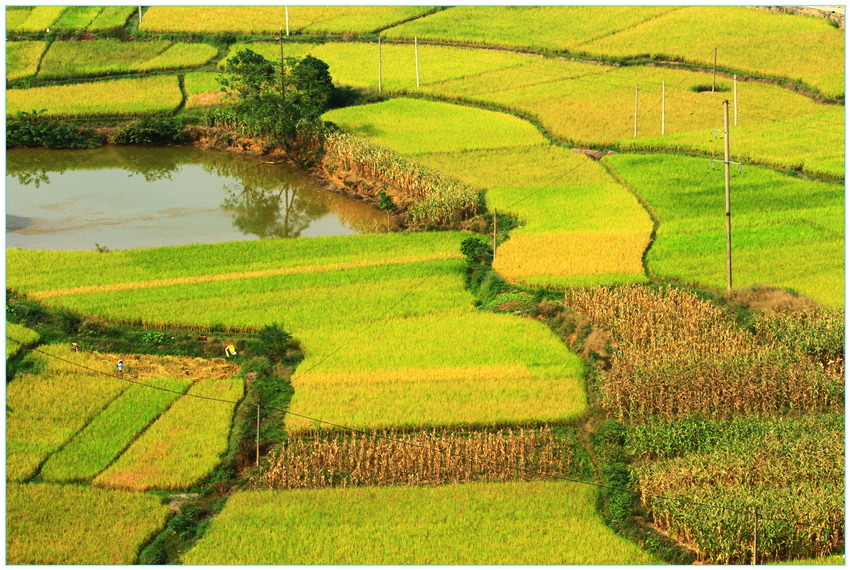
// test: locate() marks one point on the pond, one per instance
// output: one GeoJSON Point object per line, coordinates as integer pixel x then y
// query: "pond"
{"type": "Point", "coordinates": [120, 197]}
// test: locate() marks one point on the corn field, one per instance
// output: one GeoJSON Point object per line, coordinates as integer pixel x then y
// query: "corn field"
{"type": "Point", "coordinates": [676, 354]}
{"type": "Point", "coordinates": [439, 199]}
{"type": "Point", "coordinates": [434, 457]}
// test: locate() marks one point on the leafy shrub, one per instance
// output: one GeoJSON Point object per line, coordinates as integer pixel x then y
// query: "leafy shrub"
{"type": "Point", "coordinates": [476, 251]}
{"type": "Point", "coordinates": [151, 130]}
{"type": "Point", "coordinates": [34, 130]}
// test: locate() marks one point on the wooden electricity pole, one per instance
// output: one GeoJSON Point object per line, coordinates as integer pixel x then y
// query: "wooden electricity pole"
{"type": "Point", "coordinates": [380, 73]}
{"type": "Point", "coordinates": [416, 52]}
{"type": "Point", "coordinates": [728, 201]}
{"type": "Point", "coordinates": [636, 110]}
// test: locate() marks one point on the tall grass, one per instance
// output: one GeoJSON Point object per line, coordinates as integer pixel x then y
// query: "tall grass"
{"type": "Point", "coordinates": [475, 523]}
{"type": "Point", "coordinates": [68, 524]}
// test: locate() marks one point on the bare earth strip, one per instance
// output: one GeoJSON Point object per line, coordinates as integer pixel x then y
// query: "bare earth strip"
{"type": "Point", "coordinates": [130, 285]}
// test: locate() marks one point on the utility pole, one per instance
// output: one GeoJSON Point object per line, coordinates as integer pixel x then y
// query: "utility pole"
{"type": "Point", "coordinates": [140, 15]}
{"type": "Point", "coordinates": [258, 432]}
{"type": "Point", "coordinates": [755, 533]}
{"type": "Point", "coordinates": [494, 234]}
{"type": "Point", "coordinates": [636, 110]}
{"type": "Point", "coordinates": [287, 21]}
{"type": "Point", "coordinates": [416, 52]}
{"type": "Point", "coordinates": [714, 77]}
{"type": "Point", "coordinates": [380, 74]}
{"type": "Point", "coordinates": [282, 70]}
{"type": "Point", "coordinates": [663, 109]}
{"type": "Point", "coordinates": [735, 95]}
{"type": "Point", "coordinates": [728, 201]}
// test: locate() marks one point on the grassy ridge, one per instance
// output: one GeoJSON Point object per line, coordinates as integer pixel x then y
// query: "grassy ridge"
{"type": "Point", "coordinates": [514, 523]}
{"type": "Point", "coordinates": [93, 448]}
{"type": "Point", "coordinates": [183, 445]}
{"type": "Point", "coordinates": [159, 94]}
{"type": "Point", "coordinates": [66, 524]}
{"type": "Point", "coordinates": [787, 231]}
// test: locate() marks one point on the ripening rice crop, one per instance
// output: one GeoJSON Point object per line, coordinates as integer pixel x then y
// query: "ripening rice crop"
{"type": "Point", "coordinates": [46, 408]}
{"type": "Point", "coordinates": [180, 55]}
{"type": "Point", "coordinates": [76, 17]}
{"type": "Point", "coordinates": [786, 231]}
{"type": "Point", "coordinates": [40, 18]}
{"type": "Point", "coordinates": [812, 49]}
{"type": "Point", "coordinates": [106, 436]}
{"type": "Point", "coordinates": [435, 457]}
{"type": "Point", "coordinates": [15, 15]}
{"type": "Point", "coordinates": [22, 59]}
{"type": "Point", "coordinates": [476, 523]}
{"type": "Point", "coordinates": [160, 94]}
{"type": "Point", "coordinates": [675, 355]}
{"type": "Point", "coordinates": [183, 445]}
{"type": "Point", "coordinates": [202, 89]}
{"type": "Point", "coordinates": [111, 17]}
{"type": "Point", "coordinates": [791, 469]}
{"type": "Point", "coordinates": [19, 337]}
{"type": "Point", "coordinates": [530, 27]}
{"type": "Point", "coordinates": [272, 19]}
{"type": "Point", "coordinates": [67, 524]}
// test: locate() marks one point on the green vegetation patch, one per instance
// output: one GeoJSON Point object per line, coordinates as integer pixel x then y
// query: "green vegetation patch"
{"type": "Point", "coordinates": [784, 229]}
{"type": "Point", "coordinates": [123, 97]}
{"type": "Point", "coordinates": [102, 440]}
{"type": "Point", "coordinates": [506, 523]}
{"type": "Point", "coordinates": [22, 59]}
{"type": "Point", "coordinates": [77, 17]}
{"type": "Point", "coordinates": [66, 524]}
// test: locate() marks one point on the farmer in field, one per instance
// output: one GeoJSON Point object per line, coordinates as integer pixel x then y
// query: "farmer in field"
{"type": "Point", "coordinates": [74, 347]}
{"type": "Point", "coordinates": [121, 367]}
{"type": "Point", "coordinates": [230, 350]}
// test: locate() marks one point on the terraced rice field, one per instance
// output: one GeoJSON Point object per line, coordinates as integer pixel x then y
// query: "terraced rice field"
{"type": "Point", "coordinates": [271, 20]}
{"type": "Point", "coordinates": [18, 337]}
{"type": "Point", "coordinates": [148, 95]}
{"type": "Point", "coordinates": [67, 19]}
{"type": "Point", "coordinates": [787, 231]}
{"type": "Point", "coordinates": [388, 338]}
{"type": "Point", "coordinates": [67, 524]}
{"type": "Point", "coordinates": [524, 175]}
{"type": "Point", "coordinates": [475, 523]}
{"type": "Point", "coordinates": [22, 59]}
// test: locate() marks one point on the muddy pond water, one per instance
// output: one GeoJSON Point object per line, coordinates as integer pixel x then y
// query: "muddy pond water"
{"type": "Point", "coordinates": [121, 197]}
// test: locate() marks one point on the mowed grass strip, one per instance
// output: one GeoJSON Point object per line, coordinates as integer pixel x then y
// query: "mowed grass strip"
{"type": "Point", "coordinates": [36, 270]}
{"type": "Point", "coordinates": [22, 59]}
{"type": "Point", "coordinates": [149, 95]}
{"type": "Point", "coordinates": [45, 409]}
{"type": "Point", "coordinates": [786, 230]}
{"type": "Point", "coordinates": [67, 524]}
{"type": "Point", "coordinates": [102, 440]}
{"type": "Point", "coordinates": [475, 523]}
{"type": "Point", "coordinates": [183, 445]}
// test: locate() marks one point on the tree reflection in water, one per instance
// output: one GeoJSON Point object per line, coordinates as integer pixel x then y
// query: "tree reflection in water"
{"type": "Point", "coordinates": [270, 213]}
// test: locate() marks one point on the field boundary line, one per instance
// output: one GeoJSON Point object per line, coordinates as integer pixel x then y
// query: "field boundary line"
{"type": "Point", "coordinates": [233, 276]}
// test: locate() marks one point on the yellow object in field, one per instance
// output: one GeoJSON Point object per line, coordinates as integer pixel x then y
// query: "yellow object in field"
{"type": "Point", "coordinates": [230, 350]}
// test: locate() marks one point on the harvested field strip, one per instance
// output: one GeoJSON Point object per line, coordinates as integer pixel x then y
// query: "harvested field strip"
{"type": "Point", "coordinates": [475, 523]}
{"type": "Point", "coordinates": [67, 524]}
{"type": "Point", "coordinates": [435, 457]}
{"type": "Point", "coordinates": [102, 440]}
{"type": "Point", "coordinates": [45, 409]}
{"type": "Point", "coordinates": [35, 270]}
{"type": "Point", "coordinates": [127, 286]}
{"type": "Point", "coordinates": [183, 445]}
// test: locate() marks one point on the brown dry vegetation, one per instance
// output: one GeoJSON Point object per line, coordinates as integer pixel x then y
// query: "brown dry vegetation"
{"type": "Point", "coordinates": [676, 354]}
{"type": "Point", "coordinates": [426, 458]}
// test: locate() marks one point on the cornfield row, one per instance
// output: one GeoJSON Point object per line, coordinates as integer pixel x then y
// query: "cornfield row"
{"type": "Point", "coordinates": [440, 200]}
{"type": "Point", "coordinates": [676, 354]}
{"type": "Point", "coordinates": [426, 458]}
